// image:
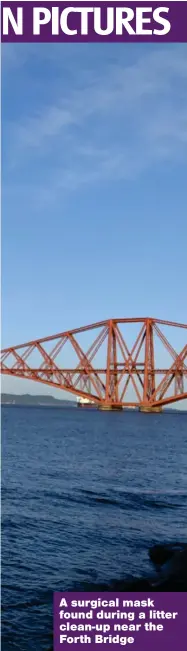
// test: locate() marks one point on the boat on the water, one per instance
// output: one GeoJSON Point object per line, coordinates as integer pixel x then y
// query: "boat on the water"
{"type": "Point", "coordinates": [85, 403]}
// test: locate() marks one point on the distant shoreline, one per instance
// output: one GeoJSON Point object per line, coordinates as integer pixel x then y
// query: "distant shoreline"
{"type": "Point", "coordinates": [28, 400]}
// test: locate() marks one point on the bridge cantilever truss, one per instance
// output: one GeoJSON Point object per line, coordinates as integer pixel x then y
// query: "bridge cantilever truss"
{"type": "Point", "coordinates": [110, 372]}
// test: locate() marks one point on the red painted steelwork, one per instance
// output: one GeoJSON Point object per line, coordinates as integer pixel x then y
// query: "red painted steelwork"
{"type": "Point", "coordinates": [126, 370]}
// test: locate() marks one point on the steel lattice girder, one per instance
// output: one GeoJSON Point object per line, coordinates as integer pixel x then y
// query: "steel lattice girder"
{"type": "Point", "coordinates": [123, 372]}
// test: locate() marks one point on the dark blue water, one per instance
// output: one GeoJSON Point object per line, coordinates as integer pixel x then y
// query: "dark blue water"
{"type": "Point", "coordinates": [84, 495]}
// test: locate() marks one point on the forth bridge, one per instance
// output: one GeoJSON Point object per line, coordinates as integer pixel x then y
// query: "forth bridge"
{"type": "Point", "coordinates": [114, 364]}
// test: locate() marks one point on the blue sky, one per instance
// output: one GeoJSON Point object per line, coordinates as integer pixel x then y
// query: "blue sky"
{"type": "Point", "coordinates": [94, 186]}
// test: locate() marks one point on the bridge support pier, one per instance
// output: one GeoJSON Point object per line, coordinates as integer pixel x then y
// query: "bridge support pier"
{"type": "Point", "coordinates": [150, 410]}
{"type": "Point", "coordinates": [110, 408]}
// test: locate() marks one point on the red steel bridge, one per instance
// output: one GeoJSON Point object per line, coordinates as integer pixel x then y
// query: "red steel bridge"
{"type": "Point", "coordinates": [115, 364]}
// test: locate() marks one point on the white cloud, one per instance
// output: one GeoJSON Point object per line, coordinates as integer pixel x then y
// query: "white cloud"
{"type": "Point", "coordinates": [119, 121]}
